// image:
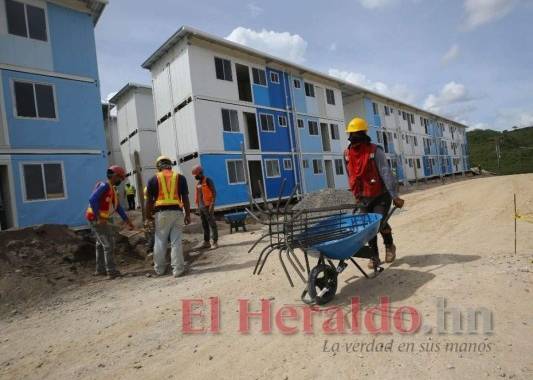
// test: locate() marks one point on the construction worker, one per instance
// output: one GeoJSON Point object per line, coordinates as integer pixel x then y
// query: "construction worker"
{"type": "Point", "coordinates": [204, 197]}
{"type": "Point", "coordinates": [371, 181]}
{"type": "Point", "coordinates": [168, 197]}
{"type": "Point", "coordinates": [102, 204]}
{"type": "Point", "coordinates": [130, 192]}
{"type": "Point", "coordinates": [149, 228]}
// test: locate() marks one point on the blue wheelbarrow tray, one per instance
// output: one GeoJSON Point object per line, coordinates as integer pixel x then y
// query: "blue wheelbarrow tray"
{"type": "Point", "coordinates": [235, 216]}
{"type": "Point", "coordinates": [361, 228]}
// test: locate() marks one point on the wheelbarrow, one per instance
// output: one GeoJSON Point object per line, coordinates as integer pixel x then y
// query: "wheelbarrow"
{"type": "Point", "coordinates": [236, 220]}
{"type": "Point", "coordinates": [352, 234]}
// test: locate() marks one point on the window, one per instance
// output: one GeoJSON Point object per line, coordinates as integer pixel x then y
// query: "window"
{"type": "Point", "coordinates": [330, 96]}
{"type": "Point", "coordinates": [274, 77]}
{"type": "Point", "coordinates": [313, 127]}
{"type": "Point", "coordinates": [259, 76]}
{"type": "Point", "coordinates": [334, 131]}
{"type": "Point", "coordinates": [305, 164]}
{"type": "Point", "coordinates": [300, 123]}
{"type": "Point", "coordinates": [317, 167]}
{"type": "Point", "coordinates": [26, 20]}
{"type": "Point", "coordinates": [272, 168]}
{"type": "Point", "coordinates": [267, 123]}
{"type": "Point", "coordinates": [379, 138]}
{"type": "Point", "coordinates": [410, 162]}
{"type": "Point", "coordinates": [404, 115]}
{"type": "Point", "coordinates": [287, 164]}
{"type": "Point", "coordinates": [339, 167]}
{"type": "Point", "coordinates": [309, 90]}
{"type": "Point", "coordinates": [223, 69]}
{"type": "Point", "coordinates": [43, 181]}
{"type": "Point", "coordinates": [235, 171]}
{"type": "Point", "coordinates": [386, 110]}
{"type": "Point", "coordinates": [375, 108]}
{"type": "Point", "coordinates": [412, 118]}
{"type": "Point", "coordinates": [282, 120]}
{"type": "Point", "coordinates": [414, 139]}
{"type": "Point", "coordinates": [297, 83]}
{"type": "Point", "coordinates": [34, 100]}
{"type": "Point", "coordinates": [230, 121]}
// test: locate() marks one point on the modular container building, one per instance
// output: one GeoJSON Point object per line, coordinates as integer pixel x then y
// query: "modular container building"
{"type": "Point", "coordinates": [52, 142]}
{"type": "Point", "coordinates": [136, 131]}
{"type": "Point", "coordinates": [251, 120]}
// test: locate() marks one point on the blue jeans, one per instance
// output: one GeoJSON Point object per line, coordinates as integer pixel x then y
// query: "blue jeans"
{"type": "Point", "coordinates": [168, 224]}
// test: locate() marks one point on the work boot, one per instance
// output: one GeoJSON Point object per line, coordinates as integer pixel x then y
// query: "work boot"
{"type": "Point", "coordinates": [214, 245]}
{"type": "Point", "coordinates": [371, 263]}
{"type": "Point", "coordinates": [113, 274]}
{"type": "Point", "coordinates": [390, 253]}
{"type": "Point", "coordinates": [205, 245]}
{"type": "Point", "coordinates": [99, 273]}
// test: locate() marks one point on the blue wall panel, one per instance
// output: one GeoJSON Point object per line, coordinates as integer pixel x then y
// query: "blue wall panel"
{"type": "Point", "coordinates": [72, 38]}
{"type": "Point", "coordinates": [273, 185]}
{"type": "Point", "coordinates": [299, 95]}
{"type": "Point", "coordinates": [309, 143]}
{"type": "Point", "coordinates": [314, 182]}
{"type": "Point", "coordinates": [275, 90]}
{"type": "Point", "coordinates": [79, 124]}
{"type": "Point", "coordinates": [278, 140]}
{"type": "Point", "coordinates": [261, 95]}
{"type": "Point", "coordinates": [215, 166]}
{"type": "Point", "coordinates": [232, 140]}
{"type": "Point", "coordinates": [81, 173]}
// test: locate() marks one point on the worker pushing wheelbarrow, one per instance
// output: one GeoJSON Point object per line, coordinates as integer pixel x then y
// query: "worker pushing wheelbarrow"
{"type": "Point", "coordinates": [340, 232]}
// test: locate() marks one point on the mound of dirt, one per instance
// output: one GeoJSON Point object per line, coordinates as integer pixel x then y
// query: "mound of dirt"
{"type": "Point", "coordinates": [325, 198]}
{"type": "Point", "coordinates": [37, 261]}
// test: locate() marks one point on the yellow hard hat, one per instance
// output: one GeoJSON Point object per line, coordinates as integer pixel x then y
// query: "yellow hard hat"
{"type": "Point", "coordinates": [357, 124]}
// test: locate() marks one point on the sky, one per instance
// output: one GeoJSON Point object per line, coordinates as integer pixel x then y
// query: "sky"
{"type": "Point", "coordinates": [468, 60]}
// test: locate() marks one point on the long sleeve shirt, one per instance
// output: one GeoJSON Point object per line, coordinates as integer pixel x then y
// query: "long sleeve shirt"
{"type": "Point", "coordinates": [101, 189]}
{"type": "Point", "coordinates": [388, 177]}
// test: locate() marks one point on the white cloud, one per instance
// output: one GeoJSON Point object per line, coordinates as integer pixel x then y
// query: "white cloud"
{"type": "Point", "coordinates": [479, 12]}
{"type": "Point", "coordinates": [451, 93]}
{"type": "Point", "coordinates": [479, 126]}
{"type": "Point", "coordinates": [254, 9]}
{"type": "Point", "coordinates": [374, 4]}
{"type": "Point", "coordinates": [514, 117]}
{"type": "Point", "coordinates": [333, 46]}
{"type": "Point", "coordinates": [451, 54]}
{"type": "Point", "coordinates": [281, 44]}
{"type": "Point", "coordinates": [396, 91]}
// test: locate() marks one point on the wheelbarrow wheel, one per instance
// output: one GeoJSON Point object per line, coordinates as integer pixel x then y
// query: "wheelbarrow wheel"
{"type": "Point", "coordinates": [322, 284]}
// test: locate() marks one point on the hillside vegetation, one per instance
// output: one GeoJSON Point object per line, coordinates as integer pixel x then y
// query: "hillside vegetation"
{"type": "Point", "coordinates": [516, 149]}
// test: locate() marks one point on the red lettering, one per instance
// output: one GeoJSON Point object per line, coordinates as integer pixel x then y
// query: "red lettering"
{"type": "Point", "coordinates": [383, 310]}
{"type": "Point", "coordinates": [355, 310]}
{"type": "Point", "coordinates": [290, 313]}
{"type": "Point", "coordinates": [215, 315]}
{"type": "Point", "coordinates": [245, 314]}
{"type": "Point", "coordinates": [416, 320]}
{"type": "Point", "coordinates": [335, 324]}
{"type": "Point", "coordinates": [188, 314]}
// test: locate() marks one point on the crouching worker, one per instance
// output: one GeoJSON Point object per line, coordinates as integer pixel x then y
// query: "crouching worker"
{"type": "Point", "coordinates": [205, 196]}
{"type": "Point", "coordinates": [102, 204]}
{"type": "Point", "coordinates": [168, 198]}
{"type": "Point", "coordinates": [371, 181]}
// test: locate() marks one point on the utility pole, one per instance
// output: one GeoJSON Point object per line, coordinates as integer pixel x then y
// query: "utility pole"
{"type": "Point", "coordinates": [498, 152]}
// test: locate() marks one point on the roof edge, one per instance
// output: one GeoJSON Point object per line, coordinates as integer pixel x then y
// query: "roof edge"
{"type": "Point", "coordinates": [125, 89]}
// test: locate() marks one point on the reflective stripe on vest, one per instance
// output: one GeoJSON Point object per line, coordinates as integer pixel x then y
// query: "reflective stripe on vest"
{"type": "Point", "coordinates": [166, 197]}
{"type": "Point", "coordinates": [207, 193]}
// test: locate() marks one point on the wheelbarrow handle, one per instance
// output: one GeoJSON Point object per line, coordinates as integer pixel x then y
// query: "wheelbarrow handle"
{"type": "Point", "coordinates": [387, 217]}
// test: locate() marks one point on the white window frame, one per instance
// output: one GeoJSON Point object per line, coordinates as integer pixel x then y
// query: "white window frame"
{"type": "Point", "coordinates": [277, 76]}
{"type": "Point", "coordinates": [261, 123]}
{"type": "Point", "coordinates": [227, 172]}
{"type": "Point", "coordinates": [311, 86]}
{"type": "Point", "coordinates": [258, 84]}
{"type": "Point", "coordinates": [333, 97]}
{"type": "Point", "coordinates": [321, 166]}
{"type": "Point", "coordinates": [280, 117]}
{"type": "Point", "coordinates": [294, 81]}
{"type": "Point", "coordinates": [298, 120]}
{"type": "Point", "coordinates": [334, 131]}
{"type": "Point", "coordinates": [222, 117]}
{"type": "Point", "coordinates": [305, 163]}
{"type": "Point", "coordinates": [14, 100]}
{"type": "Point", "coordinates": [309, 128]}
{"type": "Point", "coordinates": [224, 71]}
{"type": "Point", "coordinates": [266, 168]}
{"type": "Point", "coordinates": [25, 3]}
{"type": "Point", "coordinates": [285, 166]}
{"type": "Point", "coordinates": [41, 163]}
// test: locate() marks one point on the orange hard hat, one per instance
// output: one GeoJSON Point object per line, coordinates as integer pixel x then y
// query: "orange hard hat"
{"type": "Point", "coordinates": [197, 170]}
{"type": "Point", "coordinates": [118, 171]}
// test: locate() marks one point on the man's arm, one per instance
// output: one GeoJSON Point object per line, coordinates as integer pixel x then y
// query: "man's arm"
{"type": "Point", "coordinates": [184, 193]}
{"type": "Point", "coordinates": [211, 185]}
{"type": "Point", "coordinates": [94, 200]}
{"type": "Point", "coordinates": [151, 194]}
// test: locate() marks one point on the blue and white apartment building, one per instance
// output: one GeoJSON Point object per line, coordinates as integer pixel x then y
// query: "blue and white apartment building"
{"type": "Point", "coordinates": [52, 142]}
{"type": "Point", "coordinates": [214, 98]}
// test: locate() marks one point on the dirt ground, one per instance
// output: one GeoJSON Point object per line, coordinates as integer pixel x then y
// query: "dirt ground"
{"type": "Point", "coordinates": [455, 243]}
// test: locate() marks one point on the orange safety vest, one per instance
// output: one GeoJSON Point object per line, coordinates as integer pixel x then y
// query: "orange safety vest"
{"type": "Point", "coordinates": [207, 193]}
{"type": "Point", "coordinates": [108, 200]}
{"type": "Point", "coordinates": [363, 173]}
{"type": "Point", "coordinates": [168, 184]}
